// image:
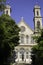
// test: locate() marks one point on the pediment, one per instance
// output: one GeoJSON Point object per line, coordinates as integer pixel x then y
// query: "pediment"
{"type": "Point", "coordinates": [22, 23]}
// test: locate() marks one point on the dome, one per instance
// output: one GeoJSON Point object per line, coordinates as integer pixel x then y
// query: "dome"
{"type": "Point", "coordinates": [36, 6]}
{"type": "Point", "coordinates": [8, 6]}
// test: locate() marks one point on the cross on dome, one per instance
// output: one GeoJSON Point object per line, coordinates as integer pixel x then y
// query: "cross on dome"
{"type": "Point", "coordinates": [37, 2]}
{"type": "Point", "coordinates": [22, 17]}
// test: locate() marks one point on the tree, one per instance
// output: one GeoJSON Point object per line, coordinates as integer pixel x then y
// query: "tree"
{"type": "Point", "coordinates": [9, 38]}
{"type": "Point", "coordinates": [2, 5]}
{"type": "Point", "coordinates": [37, 51]}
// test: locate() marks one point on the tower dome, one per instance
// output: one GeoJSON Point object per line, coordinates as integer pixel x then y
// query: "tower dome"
{"type": "Point", "coordinates": [8, 6]}
{"type": "Point", "coordinates": [37, 6]}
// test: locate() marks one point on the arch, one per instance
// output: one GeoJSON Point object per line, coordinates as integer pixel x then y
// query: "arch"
{"type": "Point", "coordinates": [27, 53]}
{"type": "Point", "coordinates": [37, 13]}
{"type": "Point", "coordinates": [27, 39]}
{"type": "Point", "coordinates": [22, 38]}
{"type": "Point", "coordinates": [32, 40]}
{"type": "Point", "coordinates": [7, 12]}
{"type": "Point", "coordinates": [38, 24]}
{"type": "Point", "coordinates": [22, 51]}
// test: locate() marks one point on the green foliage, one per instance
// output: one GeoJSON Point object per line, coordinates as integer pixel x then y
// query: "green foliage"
{"type": "Point", "coordinates": [9, 37]}
{"type": "Point", "coordinates": [2, 5]}
{"type": "Point", "coordinates": [37, 51]}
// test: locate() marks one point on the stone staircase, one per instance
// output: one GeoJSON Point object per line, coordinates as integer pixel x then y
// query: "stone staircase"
{"type": "Point", "coordinates": [20, 64]}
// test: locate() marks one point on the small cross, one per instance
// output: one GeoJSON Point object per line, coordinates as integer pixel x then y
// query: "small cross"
{"type": "Point", "coordinates": [36, 1]}
{"type": "Point", "coordinates": [22, 18]}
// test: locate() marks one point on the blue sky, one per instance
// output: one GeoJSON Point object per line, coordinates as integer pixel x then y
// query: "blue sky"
{"type": "Point", "coordinates": [24, 8]}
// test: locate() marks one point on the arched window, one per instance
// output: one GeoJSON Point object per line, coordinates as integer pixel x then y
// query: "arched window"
{"type": "Point", "coordinates": [7, 12]}
{"type": "Point", "coordinates": [27, 39]}
{"type": "Point", "coordinates": [22, 38]}
{"type": "Point", "coordinates": [22, 51]}
{"type": "Point", "coordinates": [32, 40]}
{"type": "Point", "coordinates": [38, 24]}
{"type": "Point", "coordinates": [37, 13]}
{"type": "Point", "coordinates": [27, 54]}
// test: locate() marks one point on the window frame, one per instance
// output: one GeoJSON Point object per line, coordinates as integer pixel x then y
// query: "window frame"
{"type": "Point", "coordinates": [22, 38]}
{"type": "Point", "coordinates": [37, 13]}
{"type": "Point", "coordinates": [27, 39]}
{"type": "Point", "coordinates": [38, 24]}
{"type": "Point", "coordinates": [6, 11]}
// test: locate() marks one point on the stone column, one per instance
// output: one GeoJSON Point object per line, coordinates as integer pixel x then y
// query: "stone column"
{"type": "Point", "coordinates": [18, 56]}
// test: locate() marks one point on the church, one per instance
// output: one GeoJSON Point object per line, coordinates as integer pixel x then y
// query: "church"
{"type": "Point", "coordinates": [23, 50]}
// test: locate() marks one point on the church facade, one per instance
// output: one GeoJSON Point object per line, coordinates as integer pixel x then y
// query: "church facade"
{"type": "Point", "coordinates": [23, 50]}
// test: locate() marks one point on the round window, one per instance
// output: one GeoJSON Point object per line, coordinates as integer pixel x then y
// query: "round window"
{"type": "Point", "coordinates": [22, 28]}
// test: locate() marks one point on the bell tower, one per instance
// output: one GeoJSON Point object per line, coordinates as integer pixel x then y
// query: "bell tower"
{"type": "Point", "coordinates": [37, 18]}
{"type": "Point", "coordinates": [7, 10]}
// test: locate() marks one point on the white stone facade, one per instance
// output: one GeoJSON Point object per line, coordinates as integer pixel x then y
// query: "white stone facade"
{"type": "Point", "coordinates": [26, 41]}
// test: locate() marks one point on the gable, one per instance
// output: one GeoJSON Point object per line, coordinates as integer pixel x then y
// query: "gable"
{"type": "Point", "coordinates": [28, 30]}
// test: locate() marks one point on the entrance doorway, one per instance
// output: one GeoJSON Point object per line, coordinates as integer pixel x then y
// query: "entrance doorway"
{"type": "Point", "coordinates": [22, 51]}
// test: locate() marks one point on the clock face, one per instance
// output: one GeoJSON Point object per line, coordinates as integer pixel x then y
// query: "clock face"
{"type": "Point", "coordinates": [22, 28]}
